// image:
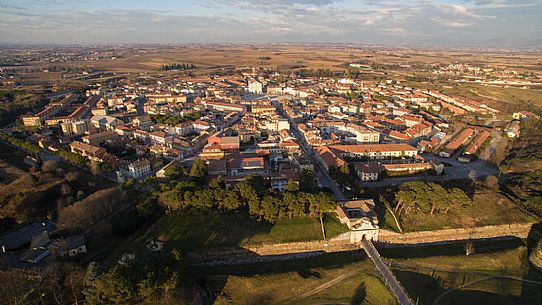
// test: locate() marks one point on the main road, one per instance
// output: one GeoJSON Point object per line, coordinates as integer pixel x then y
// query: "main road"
{"type": "Point", "coordinates": [389, 279]}
{"type": "Point", "coordinates": [319, 169]}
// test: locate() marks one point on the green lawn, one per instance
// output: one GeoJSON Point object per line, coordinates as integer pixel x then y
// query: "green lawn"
{"type": "Point", "coordinates": [214, 229]}
{"type": "Point", "coordinates": [197, 231]}
{"type": "Point", "coordinates": [351, 283]}
{"type": "Point", "coordinates": [426, 278]}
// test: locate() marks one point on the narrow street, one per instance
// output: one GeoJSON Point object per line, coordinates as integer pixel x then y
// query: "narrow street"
{"type": "Point", "coordinates": [320, 171]}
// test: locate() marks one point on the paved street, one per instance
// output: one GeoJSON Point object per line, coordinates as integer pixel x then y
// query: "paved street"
{"type": "Point", "coordinates": [320, 172]}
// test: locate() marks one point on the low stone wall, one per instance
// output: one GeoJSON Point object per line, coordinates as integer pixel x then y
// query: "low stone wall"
{"type": "Point", "coordinates": [448, 235]}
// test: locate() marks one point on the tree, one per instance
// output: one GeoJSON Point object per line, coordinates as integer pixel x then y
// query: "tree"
{"type": "Point", "coordinates": [246, 190]}
{"type": "Point", "coordinates": [88, 211]}
{"type": "Point", "coordinates": [173, 171]}
{"type": "Point", "coordinates": [292, 186]}
{"type": "Point", "coordinates": [199, 169]}
{"type": "Point", "coordinates": [65, 189]}
{"type": "Point", "coordinates": [146, 207]}
{"type": "Point", "coordinates": [232, 201]}
{"type": "Point", "coordinates": [322, 203]}
{"type": "Point", "coordinates": [217, 182]}
{"type": "Point", "coordinates": [71, 176]}
{"type": "Point", "coordinates": [257, 182]}
{"type": "Point", "coordinates": [387, 205]}
{"type": "Point", "coordinates": [270, 208]}
{"type": "Point", "coordinates": [306, 181]}
{"type": "Point", "coordinates": [128, 184]}
{"type": "Point", "coordinates": [296, 204]}
{"type": "Point", "coordinates": [49, 166]}
{"type": "Point", "coordinates": [469, 248]}
{"type": "Point", "coordinates": [491, 182]}
{"type": "Point", "coordinates": [114, 286]}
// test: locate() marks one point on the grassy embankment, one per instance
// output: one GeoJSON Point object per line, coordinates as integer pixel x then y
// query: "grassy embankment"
{"type": "Point", "coordinates": [427, 273]}
{"type": "Point", "coordinates": [484, 278]}
{"type": "Point", "coordinates": [347, 278]}
{"type": "Point", "coordinates": [488, 207]}
{"type": "Point", "coordinates": [200, 231]}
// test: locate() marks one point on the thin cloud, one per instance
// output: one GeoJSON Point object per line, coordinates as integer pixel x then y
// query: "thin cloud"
{"type": "Point", "coordinates": [386, 21]}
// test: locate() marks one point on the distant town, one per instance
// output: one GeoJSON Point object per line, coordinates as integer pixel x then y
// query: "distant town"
{"type": "Point", "coordinates": [373, 153]}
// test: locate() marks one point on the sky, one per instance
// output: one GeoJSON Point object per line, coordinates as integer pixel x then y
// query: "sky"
{"type": "Point", "coordinates": [466, 23]}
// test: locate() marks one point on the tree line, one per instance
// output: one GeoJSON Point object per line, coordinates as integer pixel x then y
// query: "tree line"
{"type": "Point", "coordinates": [177, 66]}
{"type": "Point", "coordinates": [26, 145]}
{"type": "Point", "coordinates": [428, 198]}
{"type": "Point", "coordinates": [251, 193]}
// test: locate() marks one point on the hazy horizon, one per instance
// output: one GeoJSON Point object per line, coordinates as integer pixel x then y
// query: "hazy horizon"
{"type": "Point", "coordinates": [446, 23]}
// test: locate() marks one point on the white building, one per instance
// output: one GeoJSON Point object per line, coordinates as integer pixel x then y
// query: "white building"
{"type": "Point", "coordinates": [255, 86]}
{"type": "Point", "coordinates": [361, 219]}
{"type": "Point", "coordinates": [139, 168]}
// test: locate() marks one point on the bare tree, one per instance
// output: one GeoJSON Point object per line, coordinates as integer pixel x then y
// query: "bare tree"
{"type": "Point", "coordinates": [469, 248]}
{"type": "Point", "coordinates": [86, 212]}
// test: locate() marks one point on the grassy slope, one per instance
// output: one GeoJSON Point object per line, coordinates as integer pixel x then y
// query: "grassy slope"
{"type": "Point", "coordinates": [195, 231]}
{"type": "Point", "coordinates": [354, 282]}
{"type": "Point", "coordinates": [488, 208]}
{"type": "Point", "coordinates": [425, 283]}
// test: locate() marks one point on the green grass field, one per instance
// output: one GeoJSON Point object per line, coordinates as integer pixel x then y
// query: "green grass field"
{"type": "Point", "coordinates": [208, 230]}
{"type": "Point", "coordinates": [427, 278]}
{"type": "Point", "coordinates": [487, 208]}
{"type": "Point", "coordinates": [202, 230]}
{"type": "Point", "coordinates": [351, 283]}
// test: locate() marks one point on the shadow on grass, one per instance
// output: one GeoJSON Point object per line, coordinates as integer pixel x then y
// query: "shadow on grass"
{"type": "Point", "coordinates": [309, 273]}
{"type": "Point", "coordinates": [479, 298]}
{"type": "Point", "coordinates": [422, 288]}
{"type": "Point", "coordinates": [455, 248]}
{"type": "Point", "coordinates": [359, 295]}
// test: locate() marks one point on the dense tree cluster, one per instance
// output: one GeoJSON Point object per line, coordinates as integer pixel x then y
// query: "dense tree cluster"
{"type": "Point", "coordinates": [133, 280]}
{"type": "Point", "coordinates": [57, 283]}
{"type": "Point", "coordinates": [428, 198]}
{"type": "Point", "coordinates": [72, 157]}
{"type": "Point", "coordinates": [250, 193]}
{"type": "Point", "coordinates": [17, 103]}
{"type": "Point", "coordinates": [341, 174]}
{"type": "Point", "coordinates": [174, 119]}
{"type": "Point", "coordinates": [316, 73]}
{"type": "Point", "coordinates": [181, 67]}
{"type": "Point", "coordinates": [523, 167]}
{"type": "Point", "coordinates": [26, 145]}
{"type": "Point", "coordinates": [382, 98]}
